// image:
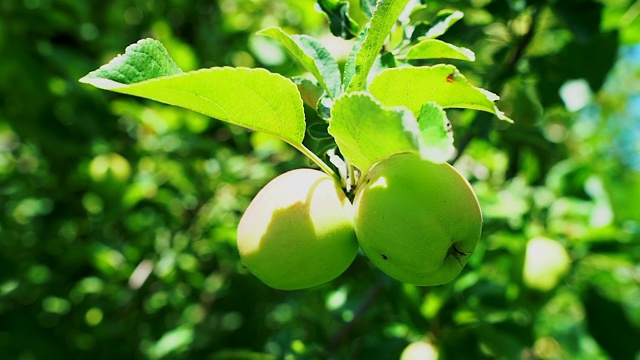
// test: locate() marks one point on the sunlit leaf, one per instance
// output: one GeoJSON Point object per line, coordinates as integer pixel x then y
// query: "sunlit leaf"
{"type": "Point", "coordinates": [413, 87]}
{"type": "Point", "coordinates": [437, 49]}
{"type": "Point", "coordinates": [437, 134]}
{"type": "Point", "coordinates": [367, 132]}
{"type": "Point", "coordinates": [253, 98]}
{"type": "Point", "coordinates": [385, 16]}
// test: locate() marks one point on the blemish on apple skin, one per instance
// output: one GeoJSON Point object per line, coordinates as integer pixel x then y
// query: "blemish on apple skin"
{"type": "Point", "coordinates": [458, 253]}
{"type": "Point", "coordinates": [384, 257]}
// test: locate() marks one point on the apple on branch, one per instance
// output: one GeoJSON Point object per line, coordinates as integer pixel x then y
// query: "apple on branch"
{"type": "Point", "coordinates": [298, 231]}
{"type": "Point", "coordinates": [416, 220]}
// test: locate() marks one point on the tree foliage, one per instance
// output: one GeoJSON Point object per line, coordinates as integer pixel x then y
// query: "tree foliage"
{"type": "Point", "coordinates": [118, 215]}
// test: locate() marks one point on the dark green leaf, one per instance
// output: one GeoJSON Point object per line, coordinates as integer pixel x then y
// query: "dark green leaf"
{"type": "Point", "coordinates": [444, 20]}
{"type": "Point", "coordinates": [590, 60]}
{"type": "Point", "coordinates": [319, 131]}
{"type": "Point", "coordinates": [340, 22]}
{"type": "Point", "coordinates": [582, 17]}
{"type": "Point", "coordinates": [368, 7]}
{"type": "Point", "coordinates": [610, 327]}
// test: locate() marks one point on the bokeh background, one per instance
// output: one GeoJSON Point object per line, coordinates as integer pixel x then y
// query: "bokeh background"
{"type": "Point", "coordinates": [118, 215]}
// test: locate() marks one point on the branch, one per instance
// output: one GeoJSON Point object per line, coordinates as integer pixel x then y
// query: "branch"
{"type": "Point", "coordinates": [343, 333]}
{"type": "Point", "coordinates": [480, 123]}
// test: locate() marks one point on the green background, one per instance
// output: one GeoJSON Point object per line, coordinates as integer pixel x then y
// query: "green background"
{"type": "Point", "coordinates": [118, 215]}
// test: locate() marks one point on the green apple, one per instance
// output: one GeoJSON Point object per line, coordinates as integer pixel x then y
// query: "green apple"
{"type": "Point", "coordinates": [416, 220]}
{"type": "Point", "coordinates": [419, 350]}
{"type": "Point", "coordinates": [298, 231]}
{"type": "Point", "coordinates": [545, 263]}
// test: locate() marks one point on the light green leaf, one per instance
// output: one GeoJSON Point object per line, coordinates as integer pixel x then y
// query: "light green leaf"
{"type": "Point", "coordinates": [437, 49]}
{"type": "Point", "coordinates": [253, 98]}
{"type": "Point", "coordinates": [171, 341]}
{"type": "Point", "coordinates": [367, 132]}
{"type": "Point", "coordinates": [313, 56]}
{"type": "Point", "coordinates": [350, 66]}
{"type": "Point", "coordinates": [437, 133]}
{"type": "Point", "coordinates": [413, 87]}
{"type": "Point", "coordinates": [384, 17]}
{"type": "Point", "coordinates": [419, 13]}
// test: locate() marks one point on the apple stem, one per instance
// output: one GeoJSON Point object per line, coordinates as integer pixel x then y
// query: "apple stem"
{"type": "Point", "coordinates": [321, 164]}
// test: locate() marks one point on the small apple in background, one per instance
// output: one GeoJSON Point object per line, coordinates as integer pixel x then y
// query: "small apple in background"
{"type": "Point", "coordinates": [419, 350]}
{"type": "Point", "coordinates": [546, 262]}
{"type": "Point", "coordinates": [298, 231]}
{"type": "Point", "coordinates": [416, 220]}
{"type": "Point", "coordinates": [110, 167]}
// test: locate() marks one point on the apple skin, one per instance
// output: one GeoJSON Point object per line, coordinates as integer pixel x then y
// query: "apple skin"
{"type": "Point", "coordinates": [416, 220]}
{"type": "Point", "coordinates": [298, 231]}
{"type": "Point", "coordinates": [545, 263]}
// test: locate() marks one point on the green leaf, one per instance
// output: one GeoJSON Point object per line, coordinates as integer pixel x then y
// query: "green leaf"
{"type": "Point", "coordinates": [143, 60]}
{"type": "Point", "coordinates": [368, 7]}
{"type": "Point", "coordinates": [253, 98]}
{"type": "Point", "coordinates": [367, 132]}
{"type": "Point", "coordinates": [413, 87]}
{"type": "Point", "coordinates": [437, 134]}
{"type": "Point", "coordinates": [312, 55]}
{"type": "Point", "coordinates": [385, 16]}
{"type": "Point", "coordinates": [350, 66]}
{"type": "Point", "coordinates": [437, 49]}
{"type": "Point", "coordinates": [319, 131]}
{"type": "Point", "coordinates": [310, 91]}
{"type": "Point", "coordinates": [323, 107]}
{"type": "Point", "coordinates": [382, 63]}
{"type": "Point", "coordinates": [444, 20]}
{"type": "Point", "coordinates": [602, 315]}
{"type": "Point", "coordinates": [340, 23]}
{"type": "Point", "coordinates": [419, 13]}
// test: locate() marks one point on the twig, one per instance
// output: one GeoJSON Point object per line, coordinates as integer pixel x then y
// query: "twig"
{"type": "Point", "coordinates": [343, 333]}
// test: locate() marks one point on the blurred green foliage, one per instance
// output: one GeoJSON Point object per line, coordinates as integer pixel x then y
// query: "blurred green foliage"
{"type": "Point", "coordinates": [118, 216]}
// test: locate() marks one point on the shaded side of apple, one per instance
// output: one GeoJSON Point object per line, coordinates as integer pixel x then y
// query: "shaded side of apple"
{"type": "Point", "coordinates": [416, 220]}
{"type": "Point", "coordinates": [298, 231]}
